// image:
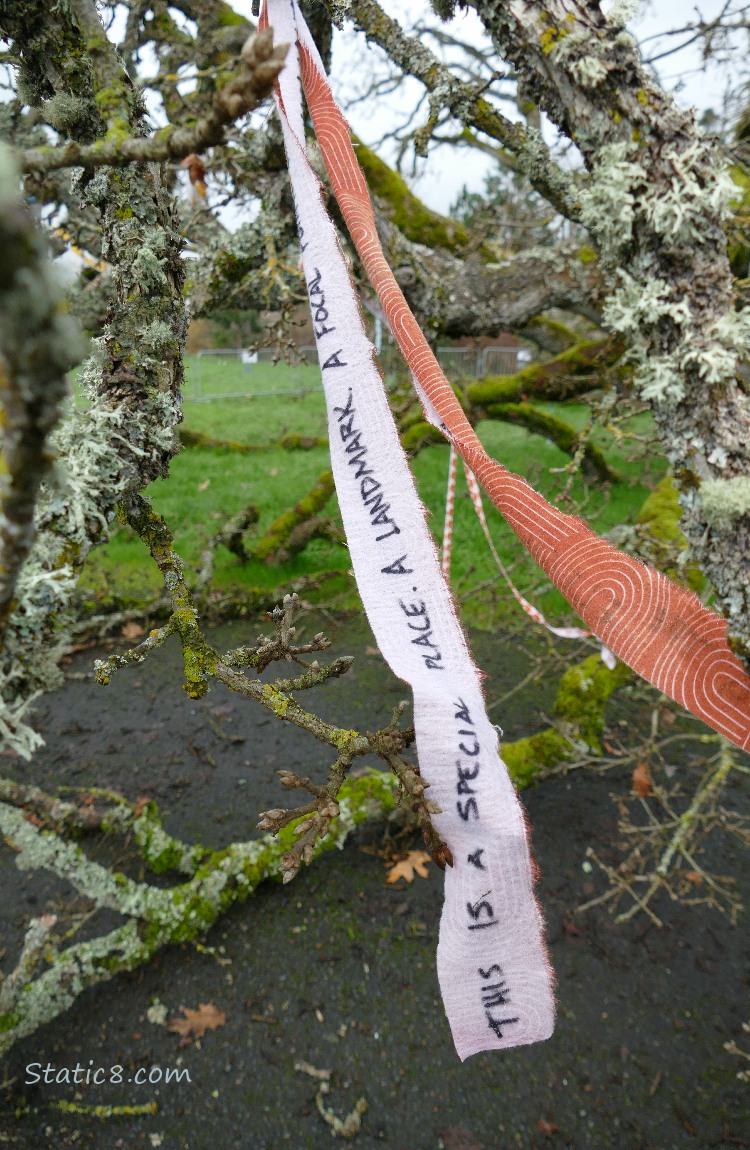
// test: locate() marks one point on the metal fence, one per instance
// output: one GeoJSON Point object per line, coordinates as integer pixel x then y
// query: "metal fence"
{"type": "Point", "coordinates": [252, 374]}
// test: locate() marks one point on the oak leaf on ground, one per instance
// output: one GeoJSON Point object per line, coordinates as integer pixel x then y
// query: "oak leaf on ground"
{"type": "Point", "coordinates": [197, 1022]}
{"type": "Point", "coordinates": [642, 782]}
{"type": "Point", "coordinates": [132, 630]}
{"type": "Point", "coordinates": [414, 863]}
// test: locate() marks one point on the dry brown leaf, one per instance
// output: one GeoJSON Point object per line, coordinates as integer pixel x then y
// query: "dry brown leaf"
{"type": "Point", "coordinates": [694, 877]}
{"type": "Point", "coordinates": [642, 782]}
{"type": "Point", "coordinates": [197, 1022]}
{"type": "Point", "coordinates": [206, 483]}
{"type": "Point", "coordinates": [196, 171]}
{"type": "Point", "coordinates": [414, 863]}
{"type": "Point", "coordinates": [132, 630]}
{"type": "Point", "coordinates": [547, 1128]}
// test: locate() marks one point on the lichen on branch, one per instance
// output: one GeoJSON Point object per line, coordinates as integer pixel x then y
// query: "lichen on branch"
{"type": "Point", "coordinates": [260, 64]}
{"type": "Point", "coordinates": [655, 201]}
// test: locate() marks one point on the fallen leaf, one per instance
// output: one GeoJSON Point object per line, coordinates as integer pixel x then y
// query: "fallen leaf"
{"type": "Point", "coordinates": [274, 471]}
{"type": "Point", "coordinates": [642, 782]}
{"type": "Point", "coordinates": [547, 1128]}
{"type": "Point", "coordinates": [206, 483]}
{"type": "Point", "coordinates": [693, 877]}
{"type": "Point", "coordinates": [414, 863]}
{"type": "Point", "coordinates": [140, 805]}
{"type": "Point", "coordinates": [372, 651]}
{"type": "Point", "coordinates": [132, 630]}
{"type": "Point", "coordinates": [82, 646]}
{"type": "Point", "coordinates": [197, 1022]}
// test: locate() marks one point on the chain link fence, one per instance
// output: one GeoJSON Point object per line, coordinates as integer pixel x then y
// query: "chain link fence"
{"type": "Point", "coordinates": [234, 373]}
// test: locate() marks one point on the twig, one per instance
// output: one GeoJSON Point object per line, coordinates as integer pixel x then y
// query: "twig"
{"type": "Point", "coordinates": [685, 827]}
{"type": "Point", "coordinates": [156, 916]}
{"type": "Point", "coordinates": [260, 64]}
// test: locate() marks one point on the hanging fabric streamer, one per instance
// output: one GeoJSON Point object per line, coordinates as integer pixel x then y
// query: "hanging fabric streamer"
{"type": "Point", "coordinates": [476, 498]}
{"type": "Point", "coordinates": [659, 629]}
{"type": "Point", "coordinates": [450, 503]}
{"type": "Point", "coordinates": [494, 974]}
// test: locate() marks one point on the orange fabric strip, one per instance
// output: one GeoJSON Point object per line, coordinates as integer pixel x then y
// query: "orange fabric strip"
{"type": "Point", "coordinates": [663, 632]}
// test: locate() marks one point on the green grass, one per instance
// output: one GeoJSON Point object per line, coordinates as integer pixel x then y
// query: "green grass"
{"type": "Point", "coordinates": [206, 486]}
{"type": "Point", "coordinates": [216, 376]}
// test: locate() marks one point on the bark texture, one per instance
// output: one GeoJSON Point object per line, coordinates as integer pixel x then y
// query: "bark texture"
{"type": "Point", "coordinates": [655, 202]}
{"type": "Point", "coordinates": [127, 436]}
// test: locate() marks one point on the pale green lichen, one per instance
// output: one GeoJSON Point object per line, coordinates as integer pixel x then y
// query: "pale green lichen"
{"type": "Point", "coordinates": [157, 916]}
{"type": "Point", "coordinates": [698, 185]}
{"type": "Point", "coordinates": [149, 264]}
{"type": "Point", "coordinates": [608, 201]}
{"type": "Point", "coordinates": [589, 71]}
{"type": "Point", "coordinates": [724, 501]}
{"type": "Point", "coordinates": [579, 51]}
{"type": "Point", "coordinates": [621, 11]}
{"type": "Point", "coordinates": [618, 194]}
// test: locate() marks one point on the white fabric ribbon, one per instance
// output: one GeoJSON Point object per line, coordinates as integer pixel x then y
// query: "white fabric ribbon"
{"type": "Point", "coordinates": [493, 968]}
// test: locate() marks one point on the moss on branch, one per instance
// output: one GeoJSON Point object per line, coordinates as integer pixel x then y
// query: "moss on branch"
{"type": "Point", "coordinates": [571, 372]}
{"type": "Point", "coordinates": [291, 442]}
{"type": "Point", "coordinates": [562, 434]}
{"type": "Point", "coordinates": [281, 529]}
{"type": "Point", "coordinates": [466, 103]}
{"type": "Point", "coordinates": [158, 916]}
{"type": "Point", "coordinates": [412, 218]}
{"type": "Point", "coordinates": [579, 708]}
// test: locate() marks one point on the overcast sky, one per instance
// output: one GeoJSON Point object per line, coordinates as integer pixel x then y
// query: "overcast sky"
{"type": "Point", "coordinates": [441, 177]}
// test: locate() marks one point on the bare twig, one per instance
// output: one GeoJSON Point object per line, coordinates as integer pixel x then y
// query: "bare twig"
{"type": "Point", "coordinates": [260, 64]}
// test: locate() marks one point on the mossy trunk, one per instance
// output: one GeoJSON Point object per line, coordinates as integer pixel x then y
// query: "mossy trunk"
{"type": "Point", "coordinates": [579, 707]}
{"type": "Point", "coordinates": [278, 533]}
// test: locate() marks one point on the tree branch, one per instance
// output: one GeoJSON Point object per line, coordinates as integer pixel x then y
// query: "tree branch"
{"type": "Point", "coordinates": [656, 204]}
{"type": "Point", "coordinates": [464, 101]}
{"type": "Point", "coordinates": [38, 344]}
{"type": "Point", "coordinates": [260, 65]}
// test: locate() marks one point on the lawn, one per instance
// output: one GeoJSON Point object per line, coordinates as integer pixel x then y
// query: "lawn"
{"type": "Point", "coordinates": [208, 485]}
